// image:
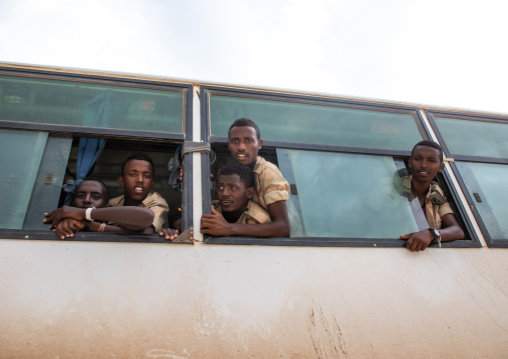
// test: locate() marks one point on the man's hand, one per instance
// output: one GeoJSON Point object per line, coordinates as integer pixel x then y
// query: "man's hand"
{"type": "Point", "coordinates": [418, 241]}
{"type": "Point", "coordinates": [54, 217]}
{"type": "Point", "coordinates": [215, 224]}
{"type": "Point", "coordinates": [168, 233]}
{"type": "Point", "coordinates": [67, 227]}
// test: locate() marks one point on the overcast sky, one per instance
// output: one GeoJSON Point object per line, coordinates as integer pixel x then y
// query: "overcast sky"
{"type": "Point", "coordinates": [446, 53]}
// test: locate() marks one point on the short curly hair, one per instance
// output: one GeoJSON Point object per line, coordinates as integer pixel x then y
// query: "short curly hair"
{"type": "Point", "coordinates": [243, 171]}
{"type": "Point", "coordinates": [245, 122]}
{"type": "Point", "coordinates": [141, 157]}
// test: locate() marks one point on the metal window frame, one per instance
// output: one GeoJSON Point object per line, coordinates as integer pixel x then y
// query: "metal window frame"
{"type": "Point", "coordinates": [206, 91]}
{"type": "Point", "coordinates": [491, 242]}
{"type": "Point", "coordinates": [130, 135]}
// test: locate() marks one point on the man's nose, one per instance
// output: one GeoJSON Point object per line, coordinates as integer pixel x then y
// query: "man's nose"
{"type": "Point", "coordinates": [241, 145]}
{"type": "Point", "coordinates": [88, 199]}
{"type": "Point", "coordinates": [139, 178]}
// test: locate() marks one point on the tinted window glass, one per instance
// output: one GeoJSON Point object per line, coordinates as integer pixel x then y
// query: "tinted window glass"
{"type": "Point", "coordinates": [317, 124]}
{"type": "Point", "coordinates": [474, 138]}
{"type": "Point", "coordinates": [347, 195]}
{"type": "Point", "coordinates": [90, 105]}
{"type": "Point", "coordinates": [20, 158]}
{"type": "Point", "coordinates": [486, 183]}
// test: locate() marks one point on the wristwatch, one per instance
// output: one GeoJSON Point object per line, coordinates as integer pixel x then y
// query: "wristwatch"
{"type": "Point", "coordinates": [437, 236]}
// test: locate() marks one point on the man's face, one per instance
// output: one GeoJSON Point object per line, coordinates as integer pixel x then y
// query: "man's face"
{"type": "Point", "coordinates": [233, 193]}
{"type": "Point", "coordinates": [137, 181]}
{"type": "Point", "coordinates": [90, 194]}
{"type": "Point", "coordinates": [425, 163]}
{"type": "Point", "coordinates": [244, 145]}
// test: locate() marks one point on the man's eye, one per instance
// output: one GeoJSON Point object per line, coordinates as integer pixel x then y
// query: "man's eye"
{"type": "Point", "coordinates": [79, 196]}
{"type": "Point", "coordinates": [220, 188]}
{"type": "Point", "coordinates": [97, 198]}
{"type": "Point", "coordinates": [132, 174]}
{"type": "Point", "coordinates": [147, 176]}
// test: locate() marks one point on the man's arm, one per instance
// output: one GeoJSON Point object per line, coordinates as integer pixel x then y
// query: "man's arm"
{"type": "Point", "coordinates": [216, 225]}
{"type": "Point", "coordinates": [130, 218]}
{"type": "Point", "coordinates": [418, 241]}
{"type": "Point", "coordinates": [67, 227]}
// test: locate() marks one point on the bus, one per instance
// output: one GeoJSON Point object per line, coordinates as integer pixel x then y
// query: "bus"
{"type": "Point", "coordinates": [343, 285]}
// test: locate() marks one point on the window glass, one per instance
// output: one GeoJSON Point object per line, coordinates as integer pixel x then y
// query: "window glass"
{"type": "Point", "coordinates": [48, 184]}
{"type": "Point", "coordinates": [474, 138]}
{"type": "Point", "coordinates": [317, 124]}
{"type": "Point", "coordinates": [90, 105]}
{"type": "Point", "coordinates": [486, 183]}
{"type": "Point", "coordinates": [347, 195]}
{"type": "Point", "coordinates": [20, 158]}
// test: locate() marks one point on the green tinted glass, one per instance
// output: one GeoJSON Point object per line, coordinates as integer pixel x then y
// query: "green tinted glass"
{"type": "Point", "coordinates": [48, 183]}
{"type": "Point", "coordinates": [317, 124]}
{"type": "Point", "coordinates": [347, 195]}
{"type": "Point", "coordinates": [20, 157]}
{"type": "Point", "coordinates": [486, 183]}
{"type": "Point", "coordinates": [474, 138]}
{"type": "Point", "coordinates": [90, 105]}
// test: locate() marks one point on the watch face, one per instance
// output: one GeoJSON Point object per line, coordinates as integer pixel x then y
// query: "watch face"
{"type": "Point", "coordinates": [435, 232]}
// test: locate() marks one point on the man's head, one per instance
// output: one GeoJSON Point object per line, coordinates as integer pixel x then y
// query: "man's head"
{"type": "Point", "coordinates": [244, 141]}
{"type": "Point", "coordinates": [91, 193]}
{"type": "Point", "coordinates": [137, 178]}
{"type": "Point", "coordinates": [235, 186]}
{"type": "Point", "coordinates": [426, 161]}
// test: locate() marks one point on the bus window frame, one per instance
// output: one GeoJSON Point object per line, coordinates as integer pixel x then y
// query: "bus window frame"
{"type": "Point", "coordinates": [131, 135]}
{"type": "Point", "coordinates": [472, 240]}
{"type": "Point", "coordinates": [491, 242]}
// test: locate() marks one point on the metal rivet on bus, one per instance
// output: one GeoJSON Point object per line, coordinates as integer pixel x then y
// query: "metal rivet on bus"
{"type": "Point", "coordinates": [27, 236]}
{"type": "Point", "coordinates": [374, 245]}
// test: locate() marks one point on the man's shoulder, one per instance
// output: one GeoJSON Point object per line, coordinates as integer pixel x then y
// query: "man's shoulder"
{"type": "Point", "coordinates": [154, 198]}
{"type": "Point", "coordinates": [258, 213]}
{"type": "Point", "coordinates": [117, 201]}
{"type": "Point", "coordinates": [436, 194]}
{"type": "Point", "coordinates": [264, 166]}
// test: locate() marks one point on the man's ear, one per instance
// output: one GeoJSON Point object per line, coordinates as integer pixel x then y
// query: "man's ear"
{"type": "Point", "coordinates": [121, 181]}
{"type": "Point", "coordinates": [250, 192]}
{"type": "Point", "coordinates": [441, 167]}
{"type": "Point", "coordinates": [260, 144]}
{"type": "Point", "coordinates": [410, 162]}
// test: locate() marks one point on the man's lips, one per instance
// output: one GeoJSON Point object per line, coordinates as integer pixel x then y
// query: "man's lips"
{"type": "Point", "coordinates": [138, 189]}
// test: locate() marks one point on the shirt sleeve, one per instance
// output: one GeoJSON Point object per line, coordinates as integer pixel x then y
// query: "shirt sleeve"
{"type": "Point", "coordinates": [160, 209]}
{"type": "Point", "coordinates": [275, 187]}
{"type": "Point", "coordinates": [444, 209]}
{"type": "Point", "coordinates": [256, 214]}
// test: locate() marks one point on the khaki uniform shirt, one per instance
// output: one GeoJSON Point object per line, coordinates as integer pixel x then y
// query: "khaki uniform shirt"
{"type": "Point", "coordinates": [436, 204]}
{"type": "Point", "coordinates": [155, 202]}
{"type": "Point", "coordinates": [270, 185]}
{"type": "Point", "coordinates": [253, 214]}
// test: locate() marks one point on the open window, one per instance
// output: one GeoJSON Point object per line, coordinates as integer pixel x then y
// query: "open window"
{"type": "Point", "coordinates": [45, 115]}
{"type": "Point", "coordinates": [479, 149]}
{"type": "Point", "coordinates": [343, 160]}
